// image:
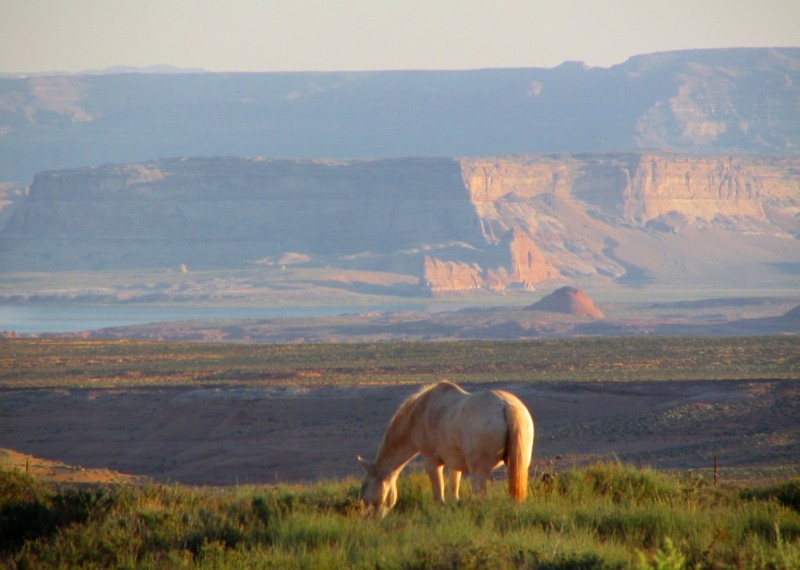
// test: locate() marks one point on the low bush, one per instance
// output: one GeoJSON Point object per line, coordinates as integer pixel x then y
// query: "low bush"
{"type": "Point", "coordinates": [786, 493]}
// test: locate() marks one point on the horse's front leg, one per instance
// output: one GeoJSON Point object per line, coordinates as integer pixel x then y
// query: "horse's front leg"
{"type": "Point", "coordinates": [435, 471]}
{"type": "Point", "coordinates": [455, 483]}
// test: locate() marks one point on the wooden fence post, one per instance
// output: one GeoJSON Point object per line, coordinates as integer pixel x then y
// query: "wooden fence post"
{"type": "Point", "coordinates": [715, 469]}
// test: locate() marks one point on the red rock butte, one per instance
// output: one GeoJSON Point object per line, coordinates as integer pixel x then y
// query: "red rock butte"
{"type": "Point", "coordinates": [568, 300]}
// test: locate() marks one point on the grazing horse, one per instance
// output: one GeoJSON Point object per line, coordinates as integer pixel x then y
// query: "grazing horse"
{"type": "Point", "coordinates": [448, 426]}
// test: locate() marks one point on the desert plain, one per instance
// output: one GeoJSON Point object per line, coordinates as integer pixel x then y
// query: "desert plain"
{"type": "Point", "coordinates": [228, 414]}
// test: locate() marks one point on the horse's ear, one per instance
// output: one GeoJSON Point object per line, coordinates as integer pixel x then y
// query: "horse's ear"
{"type": "Point", "coordinates": [368, 467]}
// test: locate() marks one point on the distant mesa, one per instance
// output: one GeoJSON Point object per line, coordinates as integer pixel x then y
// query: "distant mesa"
{"type": "Point", "coordinates": [695, 101]}
{"type": "Point", "coordinates": [793, 315]}
{"type": "Point", "coordinates": [456, 226]}
{"type": "Point", "coordinates": [568, 300]}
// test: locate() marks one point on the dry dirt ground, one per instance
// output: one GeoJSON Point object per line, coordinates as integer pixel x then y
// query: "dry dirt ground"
{"type": "Point", "coordinates": [229, 436]}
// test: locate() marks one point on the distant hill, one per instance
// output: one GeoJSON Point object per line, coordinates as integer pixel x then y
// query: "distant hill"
{"type": "Point", "coordinates": [710, 101]}
{"type": "Point", "coordinates": [570, 301]}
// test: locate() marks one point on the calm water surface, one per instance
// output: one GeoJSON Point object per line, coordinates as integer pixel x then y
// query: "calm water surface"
{"type": "Point", "coordinates": [73, 318]}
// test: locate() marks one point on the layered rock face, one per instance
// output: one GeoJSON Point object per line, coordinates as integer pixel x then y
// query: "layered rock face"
{"type": "Point", "coordinates": [706, 188]}
{"type": "Point", "coordinates": [484, 223]}
{"type": "Point", "coordinates": [637, 187]}
{"type": "Point", "coordinates": [640, 217]}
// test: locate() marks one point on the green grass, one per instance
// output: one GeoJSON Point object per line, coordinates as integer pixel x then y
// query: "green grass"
{"type": "Point", "coordinates": [601, 516]}
{"type": "Point", "coordinates": [98, 363]}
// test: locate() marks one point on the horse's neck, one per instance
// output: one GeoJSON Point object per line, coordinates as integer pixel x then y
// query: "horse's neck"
{"type": "Point", "coordinates": [398, 447]}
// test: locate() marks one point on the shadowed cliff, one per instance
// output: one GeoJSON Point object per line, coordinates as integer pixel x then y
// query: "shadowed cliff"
{"type": "Point", "coordinates": [699, 101]}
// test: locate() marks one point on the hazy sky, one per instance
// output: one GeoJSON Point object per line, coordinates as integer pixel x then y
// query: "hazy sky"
{"type": "Point", "coordinates": [251, 35]}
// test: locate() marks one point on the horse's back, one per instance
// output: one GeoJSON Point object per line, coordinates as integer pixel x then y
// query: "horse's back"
{"type": "Point", "coordinates": [486, 423]}
{"type": "Point", "coordinates": [490, 411]}
{"type": "Point", "coordinates": [463, 428]}
{"type": "Point", "coordinates": [492, 404]}
{"type": "Point", "coordinates": [467, 429]}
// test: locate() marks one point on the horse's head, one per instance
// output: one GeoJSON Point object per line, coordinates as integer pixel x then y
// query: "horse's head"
{"type": "Point", "coordinates": [378, 492]}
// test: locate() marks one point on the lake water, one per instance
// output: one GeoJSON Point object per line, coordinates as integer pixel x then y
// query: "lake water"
{"type": "Point", "coordinates": [32, 319]}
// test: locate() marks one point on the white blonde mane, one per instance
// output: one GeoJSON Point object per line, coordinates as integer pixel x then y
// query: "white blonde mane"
{"type": "Point", "coordinates": [401, 417]}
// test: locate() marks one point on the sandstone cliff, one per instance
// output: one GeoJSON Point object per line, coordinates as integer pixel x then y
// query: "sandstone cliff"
{"type": "Point", "coordinates": [529, 265]}
{"type": "Point", "coordinates": [480, 223]}
{"type": "Point", "coordinates": [441, 275]}
{"type": "Point", "coordinates": [637, 188]}
{"type": "Point", "coordinates": [709, 188]}
{"type": "Point", "coordinates": [523, 266]}
{"type": "Point", "coordinates": [636, 217]}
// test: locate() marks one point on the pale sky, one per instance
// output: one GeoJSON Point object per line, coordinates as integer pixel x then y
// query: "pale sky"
{"type": "Point", "coordinates": [337, 35]}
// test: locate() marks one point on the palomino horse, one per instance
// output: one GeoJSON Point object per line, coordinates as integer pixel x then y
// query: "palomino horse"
{"type": "Point", "coordinates": [448, 426]}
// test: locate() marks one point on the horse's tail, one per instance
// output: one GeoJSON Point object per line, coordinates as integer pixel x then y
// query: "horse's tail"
{"type": "Point", "coordinates": [519, 447]}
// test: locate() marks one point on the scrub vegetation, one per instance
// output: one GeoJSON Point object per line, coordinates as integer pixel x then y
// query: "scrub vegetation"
{"type": "Point", "coordinates": [114, 363]}
{"type": "Point", "coordinates": [605, 515]}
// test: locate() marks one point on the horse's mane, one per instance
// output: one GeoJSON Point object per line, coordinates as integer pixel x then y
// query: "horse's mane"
{"type": "Point", "coordinates": [403, 413]}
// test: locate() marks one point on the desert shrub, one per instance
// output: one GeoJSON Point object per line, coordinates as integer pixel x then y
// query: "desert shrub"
{"type": "Point", "coordinates": [17, 486]}
{"type": "Point", "coordinates": [763, 521]}
{"type": "Point", "coordinates": [644, 526]}
{"type": "Point", "coordinates": [786, 493]}
{"type": "Point", "coordinates": [543, 516]}
{"type": "Point", "coordinates": [311, 530]}
{"type": "Point", "coordinates": [667, 558]}
{"type": "Point", "coordinates": [447, 556]}
{"type": "Point", "coordinates": [619, 483]}
{"type": "Point", "coordinates": [28, 511]}
{"type": "Point", "coordinates": [340, 497]}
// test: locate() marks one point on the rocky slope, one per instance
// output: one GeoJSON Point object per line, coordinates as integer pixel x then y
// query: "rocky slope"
{"type": "Point", "coordinates": [742, 100]}
{"type": "Point", "coordinates": [478, 223]}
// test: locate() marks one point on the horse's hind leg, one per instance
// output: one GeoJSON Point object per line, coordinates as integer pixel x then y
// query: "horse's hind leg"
{"type": "Point", "coordinates": [455, 483]}
{"type": "Point", "coordinates": [479, 478]}
{"type": "Point", "coordinates": [436, 473]}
